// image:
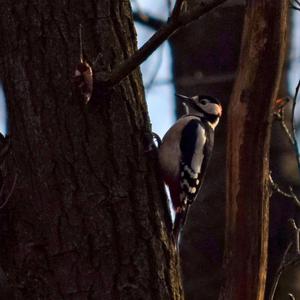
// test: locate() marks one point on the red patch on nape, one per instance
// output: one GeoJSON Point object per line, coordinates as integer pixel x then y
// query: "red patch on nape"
{"type": "Point", "coordinates": [280, 103]}
{"type": "Point", "coordinates": [174, 188]}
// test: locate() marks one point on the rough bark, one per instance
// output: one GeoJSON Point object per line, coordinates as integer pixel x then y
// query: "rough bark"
{"type": "Point", "coordinates": [87, 216]}
{"type": "Point", "coordinates": [249, 124]}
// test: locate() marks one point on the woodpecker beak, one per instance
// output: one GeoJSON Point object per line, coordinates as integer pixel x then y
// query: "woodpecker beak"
{"type": "Point", "coordinates": [219, 110]}
{"type": "Point", "coordinates": [185, 99]}
{"type": "Point", "coordinates": [182, 96]}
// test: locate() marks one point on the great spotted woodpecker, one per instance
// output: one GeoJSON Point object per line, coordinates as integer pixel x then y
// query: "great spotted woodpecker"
{"type": "Point", "coordinates": [185, 152]}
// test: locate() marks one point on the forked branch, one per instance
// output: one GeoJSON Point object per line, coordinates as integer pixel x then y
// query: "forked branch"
{"type": "Point", "coordinates": [291, 134]}
{"type": "Point", "coordinates": [175, 22]}
{"type": "Point", "coordinates": [286, 261]}
{"type": "Point", "coordinates": [279, 114]}
{"type": "Point", "coordinates": [150, 21]}
{"type": "Point", "coordinates": [295, 5]}
{"type": "Point", "coordinates": [279, 190]}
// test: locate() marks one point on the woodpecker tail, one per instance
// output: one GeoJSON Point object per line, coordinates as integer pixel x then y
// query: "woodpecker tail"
{"type": "Point", "coordinates": [179, 222]}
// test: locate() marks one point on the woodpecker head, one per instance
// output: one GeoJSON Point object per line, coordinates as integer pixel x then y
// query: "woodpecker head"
{"type": "Point", "coordinates": [205, 106]}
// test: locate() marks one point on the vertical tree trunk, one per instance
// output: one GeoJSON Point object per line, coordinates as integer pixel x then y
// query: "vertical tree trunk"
{"type": "Point", "coordinates": [249, 123]}
{"type": "Point", "coordinates": [87, 216]}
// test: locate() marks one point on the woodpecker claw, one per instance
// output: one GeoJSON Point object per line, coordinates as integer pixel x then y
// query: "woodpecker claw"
{"type": "Point", "coordinates": [149, 141]}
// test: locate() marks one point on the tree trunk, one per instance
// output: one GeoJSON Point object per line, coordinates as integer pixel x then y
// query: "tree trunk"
{"type": "Point", "coordinates": [87, 218]}
{"type": "Point", "coordinates": [249, 124]}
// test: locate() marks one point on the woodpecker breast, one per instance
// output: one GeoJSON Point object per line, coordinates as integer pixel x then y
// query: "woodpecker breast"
{"type": "Point", "coordinates": [169, 151]}
{"type": "Point", "coordinates": [183, 157]}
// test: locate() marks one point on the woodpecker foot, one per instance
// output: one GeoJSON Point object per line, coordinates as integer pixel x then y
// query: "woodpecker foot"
{"type": "Point", "coordinates": [150, 139]}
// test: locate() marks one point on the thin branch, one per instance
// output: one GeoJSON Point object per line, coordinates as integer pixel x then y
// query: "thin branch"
{"type": "Point", "coordinates": [284, 262]}
{"type": "Point", "coordinates": [290, 134]}
{"type": "Point", "coordinates": [277, 189]}
{"type": "Point", "coordinates": [148, 20]}
{"type": "Point", "coordinates": [295, 144]}
{"type": "Point", "coordinates": [174, 23]}
{"type": "Point", "coordinates": [294, 6]}
{"type": "Point", "coordinates": [281, 117]}
{"type": "Point", "coordinates": [177, 9]}
{"type": "Point", "coordinates": [80, 44]}
{"type": "Point", "coordinates": [291, 296]}
{"type": "Point", "coordinates": [279, 270]}
{"type": "Point", "coordinates": [296, 230]}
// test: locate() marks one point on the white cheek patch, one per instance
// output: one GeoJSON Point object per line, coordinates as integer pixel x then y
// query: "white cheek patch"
{"type": "Point", "coordinates": [212, 108]}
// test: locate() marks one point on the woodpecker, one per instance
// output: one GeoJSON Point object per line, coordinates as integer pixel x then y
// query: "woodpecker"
{"type": "Point", "coordinates": [185, 152]}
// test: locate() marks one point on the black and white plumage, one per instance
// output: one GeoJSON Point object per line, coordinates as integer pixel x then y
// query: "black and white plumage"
{"type": "Point", "coordinates": [185, 152]}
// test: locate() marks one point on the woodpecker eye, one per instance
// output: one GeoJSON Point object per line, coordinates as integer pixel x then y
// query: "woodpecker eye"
{"type": "Point", "coordinates": [204, 101]}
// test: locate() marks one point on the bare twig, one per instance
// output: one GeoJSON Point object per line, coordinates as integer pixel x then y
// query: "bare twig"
{"type": "Point", "coordinates": [174, 23]}
{"type": "Point", "coordinates": [177, 9]}
{"type": "Point", "coordinates": [153, 22]}
{"type": "Point", "coordinates": [284, 262]}
{"type": "Point", "coordinates": [279, 270]}
{"type": "Point", "coordinates": [291, 296]}
{"type": "Point", "coordinates": [80, 44]}
{"type": "Point", "coordinates": [295, 144]}
{"type": "Point", "coordinates": [281, 117]}
{"type": "Point", "coordinates": [294, 6]}
{"type": "Point", "coordinates": [277, 189]}
{"type": "Point", "coordinates": [148, 20]}
{"type": "Point", "coordinates": [290, 134]}
{"type": "Point", "coordinates": [296, 230]}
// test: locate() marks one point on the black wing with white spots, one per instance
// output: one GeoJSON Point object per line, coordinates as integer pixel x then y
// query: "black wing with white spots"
{"type": "Point", "coordinates": [196, 146]}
